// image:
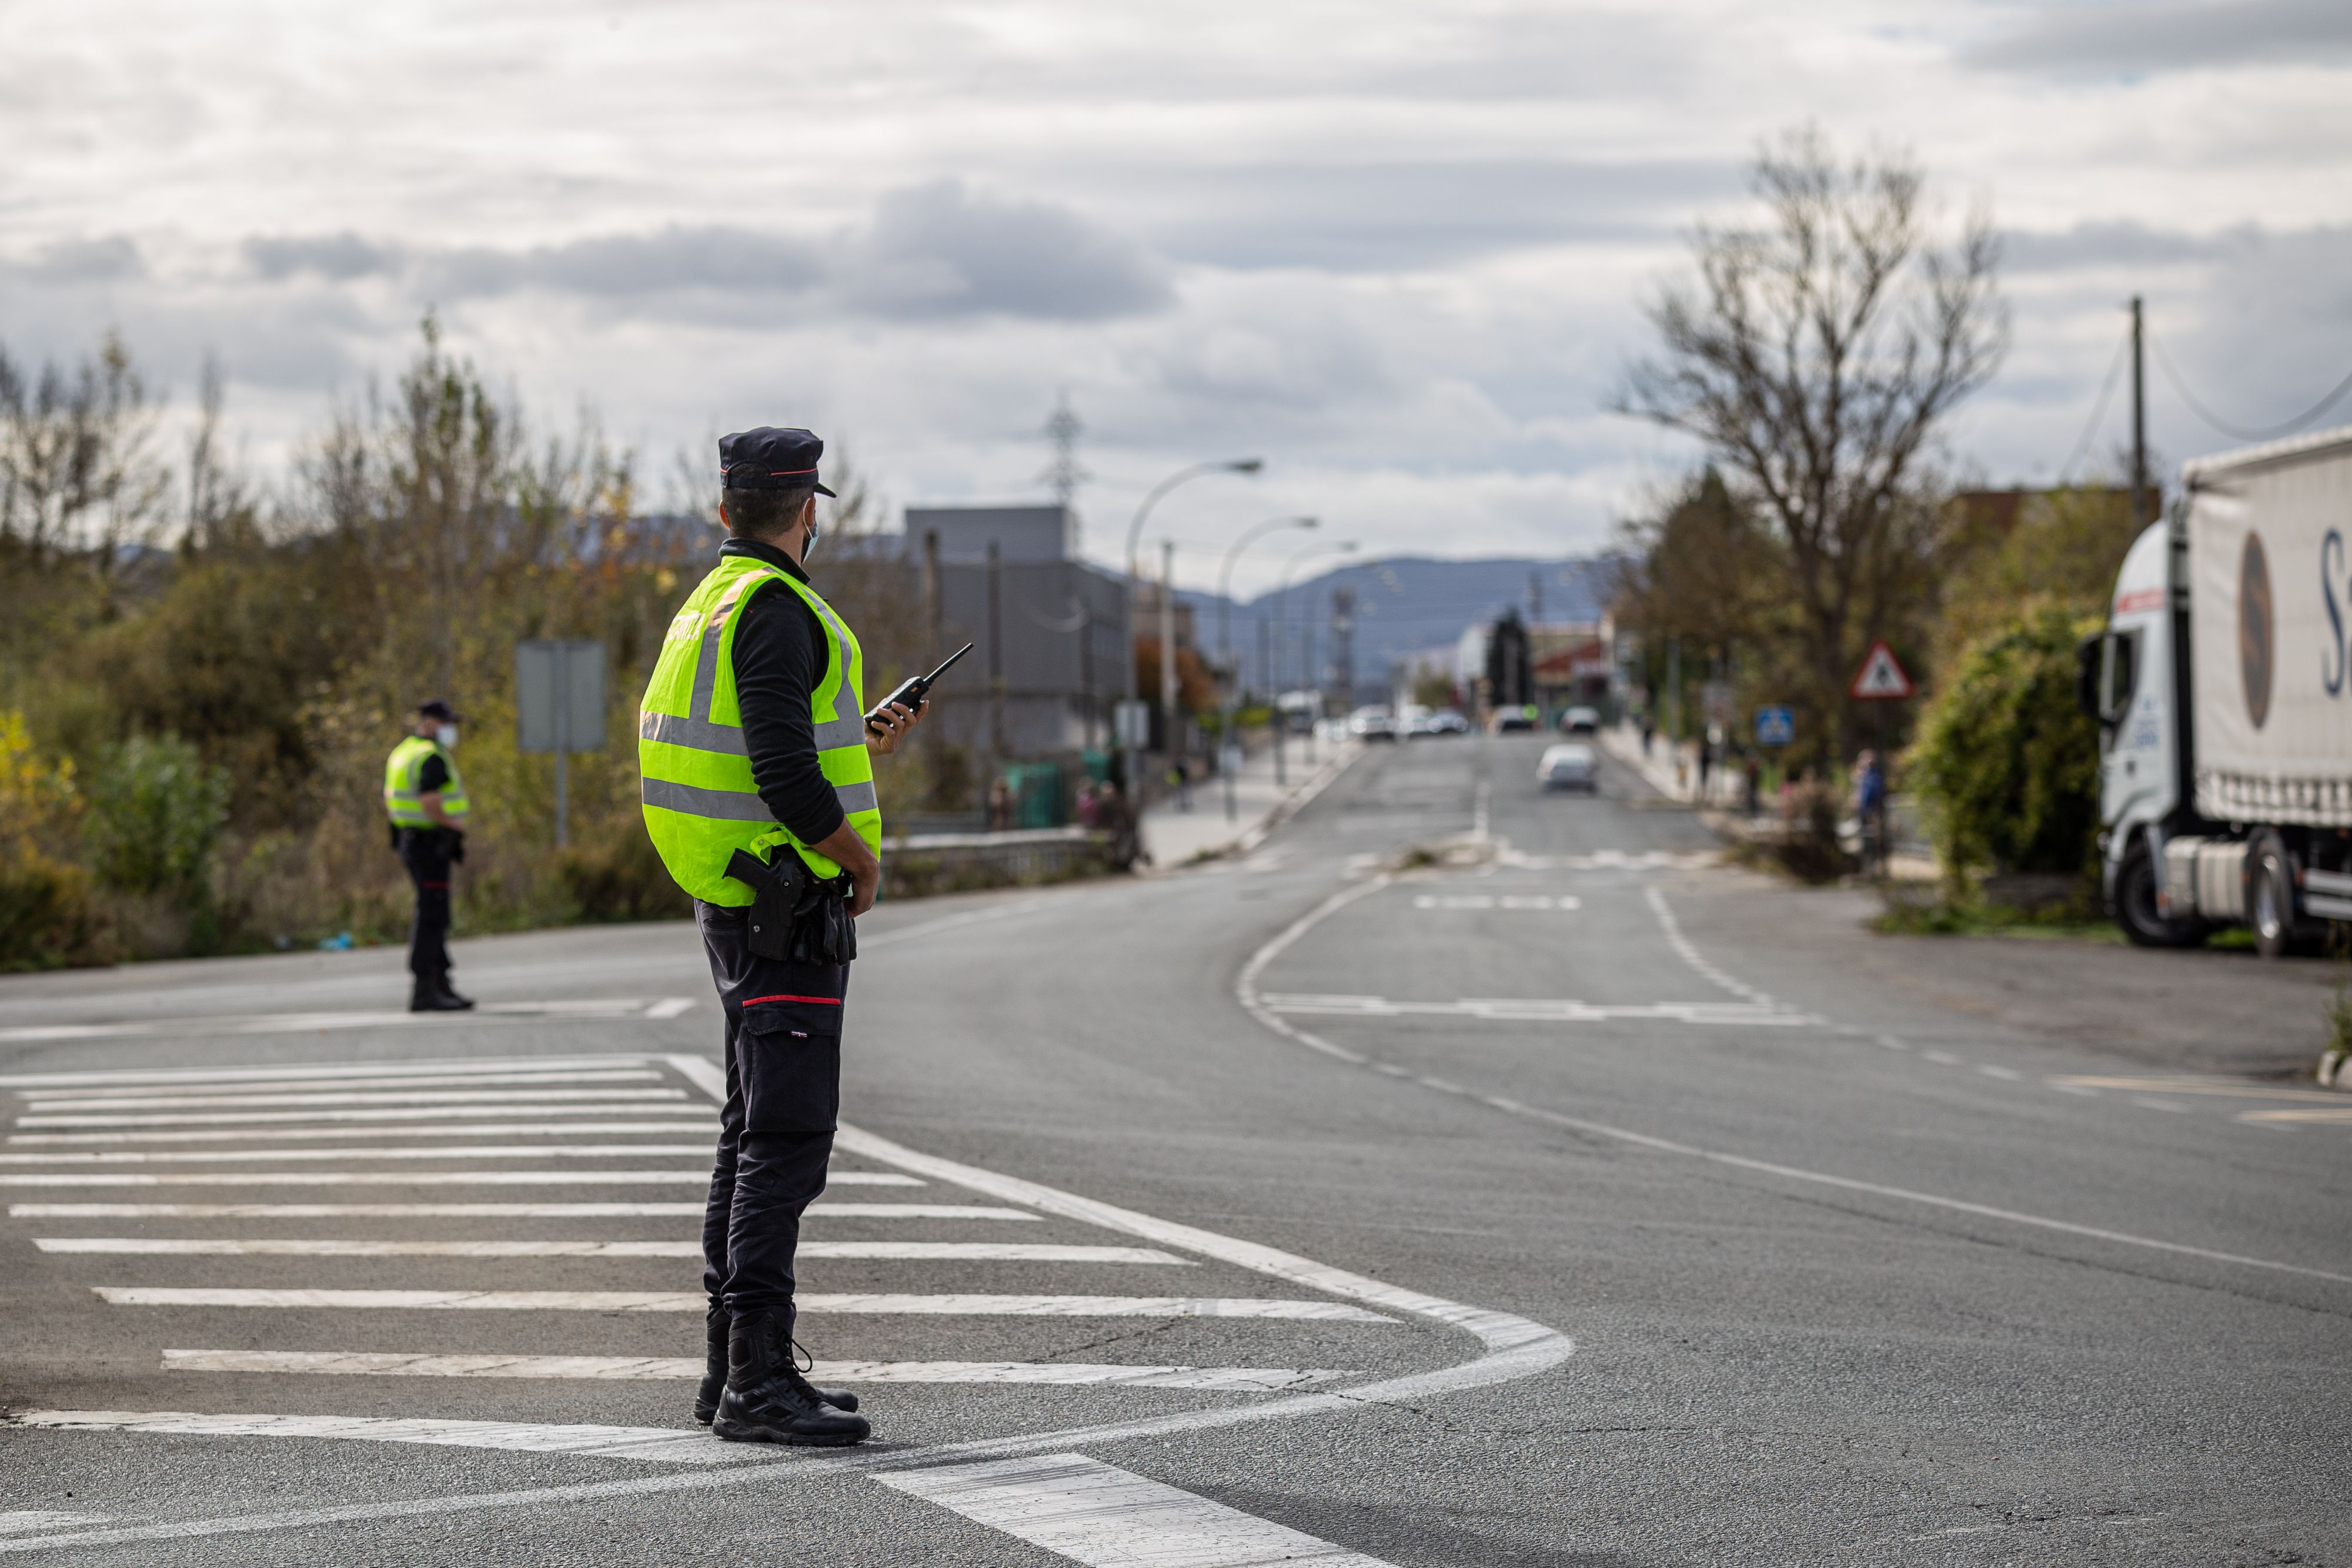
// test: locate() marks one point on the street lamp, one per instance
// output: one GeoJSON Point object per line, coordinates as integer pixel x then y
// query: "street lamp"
{"type": "Point", "coordinates": [1229, 765]}
{"type": "Point", "coordinates": [1134, 533]}
{"type": "Point", "coordinates": [1281, 624]}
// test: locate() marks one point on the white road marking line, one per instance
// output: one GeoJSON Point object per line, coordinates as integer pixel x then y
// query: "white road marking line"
{"type": "Point", "coordinates": [2010, 1073]}
{"type": "Point", "coordinates": [2335, 1117]}
{"type": "Point", "coordinates": [1942, 1057]}
{"type": "Point", "coordinates": [310, 1247]}
{"type": "Point", "coordinates": [686, 1119]}
{"type": "Point", "coordinates": [506, 1099]}
{"type": "Point", "coordinates": [465, 1067]}
{"type": "Point", "coordinates": [659, 1443]}
{"type": "Point", "coordinates": [2233, 1088]}
{"type": "Point", "coordinates": [439, 1103]}
{"type": "Point", "coordinates": [420, 1178]}
{"type": "Point", "coordinates": [1245, 992]}
{"type": "Point", "coordinates": [1690, 955]}
{"type": "Point", "coordinates": [37, 1098]}
{"type": "Point", "coordinates": [1105, 1517]}
{"type": "Point", "coordinates": [1531, 901]}
{"type": "Point", "coordinates": [17, 1520]}
{"type": "Point", "coordinates": [1535, 1010]}
{"type": "Point", "coordinates": [958, 1305]}
{"type": "Point", "coordinates": [394, 1363]}
{"type": "Point", "coordinates": [819, 1210]}
{"type": "Point", "coordinates": [669, 1006]}
{"type": "Point", "coordinates": [487, 1152]}
{"type": "Point", "coordinates": [2151, 1104]}
{"type": "Point", "coordinates": [587, 1010]}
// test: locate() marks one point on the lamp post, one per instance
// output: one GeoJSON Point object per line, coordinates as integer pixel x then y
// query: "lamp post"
{"type": "Point", "coordinates": [1134, 533]}
{"type": "Point", "coordinates": [1281, 624]}
{"type": "Point", "coordinates": [1225, 646]}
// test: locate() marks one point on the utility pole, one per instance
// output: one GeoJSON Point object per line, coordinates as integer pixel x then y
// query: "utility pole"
{"type": "Point", "coordinates": [2139, 425]}
{"type": "Point", "coordinates": [1167, 644]}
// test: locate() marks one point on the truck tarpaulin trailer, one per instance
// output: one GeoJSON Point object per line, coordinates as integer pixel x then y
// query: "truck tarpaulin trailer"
{"type": "Point", "coordinates": [2224, 697]}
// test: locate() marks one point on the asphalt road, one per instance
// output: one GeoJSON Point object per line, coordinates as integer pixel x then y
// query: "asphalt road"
{"type": "Point", "coordinates": [1548, 1195]}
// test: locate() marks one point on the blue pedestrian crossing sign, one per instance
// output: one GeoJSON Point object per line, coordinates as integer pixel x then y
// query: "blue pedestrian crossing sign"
{"type": "Point", "coordinates": [1776, 725]}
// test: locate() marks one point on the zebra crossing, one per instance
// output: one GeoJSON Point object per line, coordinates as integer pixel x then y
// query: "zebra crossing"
{"type": "Point", "coordinates": [268, 1235]}
{"type": "Point", "coordinates": [670, 1114]}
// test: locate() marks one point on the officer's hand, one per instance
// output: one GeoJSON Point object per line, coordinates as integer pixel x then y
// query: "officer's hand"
{"type": "Point", "coordinates": [865, 888]}
{"type": "Point", "coordinates": [896, 720]}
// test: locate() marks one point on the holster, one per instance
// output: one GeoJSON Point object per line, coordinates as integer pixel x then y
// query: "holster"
{"type": "Point", "coordinates": [776, 894]}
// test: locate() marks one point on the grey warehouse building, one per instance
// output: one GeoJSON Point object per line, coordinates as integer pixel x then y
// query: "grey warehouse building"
{"type": "Point", "coordinates": [1048, 629]}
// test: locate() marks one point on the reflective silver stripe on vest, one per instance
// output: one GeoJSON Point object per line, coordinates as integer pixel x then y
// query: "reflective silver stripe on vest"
{"type": "Point", "coordinates": [856, 798]}
{"type": "Point", "coordinates": [833, 734]}
{"type": "Point", "coordinates": [719, 805]}
{"type": "Point", "coordinates": [706, 658]}
{"type": "Point", "coordinates": [694, 733]}
{"type": "Point", "coordinates": [727, 740]}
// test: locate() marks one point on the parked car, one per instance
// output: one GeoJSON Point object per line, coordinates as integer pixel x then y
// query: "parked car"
{"type": "Point", "coordinates": [1446, 721]}
{"type": "Point", "coordinates": [1571, 765]}
{"type": "Point", "coordinates": [1512, 719]}
{"type": "Point", "coordinates": [1581, 721]}
{"type": "Point", "coordinates": [1373, 723]}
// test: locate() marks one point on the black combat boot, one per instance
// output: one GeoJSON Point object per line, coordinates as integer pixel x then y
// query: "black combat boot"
{"type": "Point", "coordinates": [766, 1400]}
{"type": "Point", "coordinates": [714, 1373]}
{"type": "Point", "coordinates": [448, 993]}
{"type": "Point", "coordinates": [428, 996]}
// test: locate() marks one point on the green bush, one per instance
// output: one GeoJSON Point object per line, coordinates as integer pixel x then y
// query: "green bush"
{"type": "Point", "coordinates": [46, 916]}
{"type": "Point", "coordinates": [156, 809]}
{"type": "Point", "coordinates": [2007, 764]}
{"type": "Point", "coordinates": [614, 875]}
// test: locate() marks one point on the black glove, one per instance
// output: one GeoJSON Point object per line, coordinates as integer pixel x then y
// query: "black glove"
{"type": "Point", "coordinates": [457, 847]}
{"type": "Point", "coordinates": [823, 931]}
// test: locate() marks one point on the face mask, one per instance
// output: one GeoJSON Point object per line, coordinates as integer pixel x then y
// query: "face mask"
{"type": "Point", "coordinates": [447, 734]}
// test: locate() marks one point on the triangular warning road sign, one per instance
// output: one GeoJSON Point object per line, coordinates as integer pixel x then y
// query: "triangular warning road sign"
{"type": "Point", "coordinates": [1881, 677]}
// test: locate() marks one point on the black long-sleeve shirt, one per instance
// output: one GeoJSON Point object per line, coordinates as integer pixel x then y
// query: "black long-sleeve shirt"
{"type": "Point", "coordinates": [782, 655]}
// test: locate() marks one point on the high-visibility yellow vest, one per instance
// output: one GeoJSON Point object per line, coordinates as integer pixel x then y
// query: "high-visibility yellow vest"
{"type": "Point", "coordinates": [700, 802]}
{"type": "Point", "coordinates": [401, 796]}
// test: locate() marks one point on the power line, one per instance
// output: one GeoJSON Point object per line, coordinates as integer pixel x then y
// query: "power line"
{"type": "Point", "coordinates": [2098, 410]}
{"type": "Point", "coordinates": [2164, 361]}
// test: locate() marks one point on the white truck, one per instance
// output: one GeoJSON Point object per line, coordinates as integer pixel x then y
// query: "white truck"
{"type": "Point", "coordinates": [2223, 689]}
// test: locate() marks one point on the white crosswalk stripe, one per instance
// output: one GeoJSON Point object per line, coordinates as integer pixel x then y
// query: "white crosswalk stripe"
{"type": "Point", "coordinates": [426, 1178]}
{"type": "Point", "coordinates": [315, 1247]}
{"type": "Point", "coordinates": [1108, 1517]}
{"type": "Point", "coordinates": [431, 1080]}
{"type": "Point", "coordinates": [821, 1209]}
{"type": "Point", "coordinates": [699, 1122]}
{"type": "Point", "coordinates": [620, 1368]}
{"type": "Point", "coordinates": [956, 1303]}
{"type": "Point", "coordinates": [313, 1102]}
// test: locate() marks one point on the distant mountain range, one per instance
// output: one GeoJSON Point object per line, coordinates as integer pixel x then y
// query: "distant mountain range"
{"type": "Point", "coordinates": [1405, 605]}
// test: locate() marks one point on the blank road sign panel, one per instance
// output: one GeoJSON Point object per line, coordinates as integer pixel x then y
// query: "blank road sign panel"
{"type": "Point", "coordinates": [560, 696]}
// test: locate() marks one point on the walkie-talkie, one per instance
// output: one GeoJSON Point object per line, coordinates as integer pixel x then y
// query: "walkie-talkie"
{"type": "Point", "coordinates": [911, 691]}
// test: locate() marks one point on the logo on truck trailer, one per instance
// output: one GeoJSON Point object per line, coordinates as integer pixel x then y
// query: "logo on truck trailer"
{"type": "Point", "coordinates": [2254, 621]}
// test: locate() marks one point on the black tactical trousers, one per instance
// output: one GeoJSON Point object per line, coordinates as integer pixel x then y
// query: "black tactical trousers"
{"type": "Point", "coordinates": [783, 1092]}
{"type": "Point", "coordinates": [426, 851]}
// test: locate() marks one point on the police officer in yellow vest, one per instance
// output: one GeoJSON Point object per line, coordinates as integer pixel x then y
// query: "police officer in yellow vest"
{"type": "Point", "coordinates": [757, 759]}
{"type": "Point", "coordinates": [426, 802]}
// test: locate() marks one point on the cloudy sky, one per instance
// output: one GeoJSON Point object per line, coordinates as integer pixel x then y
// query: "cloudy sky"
{"type": "Point", "coordinates": [1397, 249]}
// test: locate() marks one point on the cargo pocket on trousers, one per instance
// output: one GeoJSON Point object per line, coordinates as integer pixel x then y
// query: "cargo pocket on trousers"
{"type": "Point", "coordinates": [791, 1066]}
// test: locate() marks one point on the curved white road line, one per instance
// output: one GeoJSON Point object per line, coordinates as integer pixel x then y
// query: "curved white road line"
{"type": "Point", "coordinates": [1246, 992]}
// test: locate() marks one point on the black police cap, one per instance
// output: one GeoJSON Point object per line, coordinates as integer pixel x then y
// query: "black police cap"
{"type": "Point", "coordinates": [771, 459]}
{"type": "Point", "coordinates": [438, 709]}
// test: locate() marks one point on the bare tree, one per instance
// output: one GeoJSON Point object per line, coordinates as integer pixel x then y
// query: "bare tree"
{"type": "Point", "coordinates": [1814, 357]}
{"type": "Point", "coordinates": [76, 474]}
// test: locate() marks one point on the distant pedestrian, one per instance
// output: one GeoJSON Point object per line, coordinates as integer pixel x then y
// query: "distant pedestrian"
{"type": "Point", "coordinates": [1181, 776]}
{"type": "Point", "coordinates": [1752, 783]}
{"type": "Point", "coordinates": [426, 802]}
{"type": "Point", "coordinates": [1000, 806]}
{"type": "Point", "coordinates": [1086, 806]}
{"type": "Point", "coordinates": [1649, 734]}
{"type": "Point", "coordinates": [1706, 762]}
{"type": "Point", "coordinates": [1870, 806]}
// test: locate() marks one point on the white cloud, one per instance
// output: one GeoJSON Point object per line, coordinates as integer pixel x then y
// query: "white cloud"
{"type": "Point", "coordinates": [1397, 249]}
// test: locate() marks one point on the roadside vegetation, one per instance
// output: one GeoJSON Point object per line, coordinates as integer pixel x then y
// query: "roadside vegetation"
{"type": "Point", "coordinates": [200, 677]}
{"type": "Point", "coordinates": [1818, 355]}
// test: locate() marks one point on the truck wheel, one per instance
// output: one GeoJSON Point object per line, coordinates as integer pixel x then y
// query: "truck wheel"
{"type": "Point", "coordinates": [2136, 909]}
{"type": "Point", "coordinates": [2270, 897]}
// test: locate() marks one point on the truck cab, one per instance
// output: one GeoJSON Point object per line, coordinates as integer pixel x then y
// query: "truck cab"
{"type": "Point", "coordinates": [2130, 678]}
